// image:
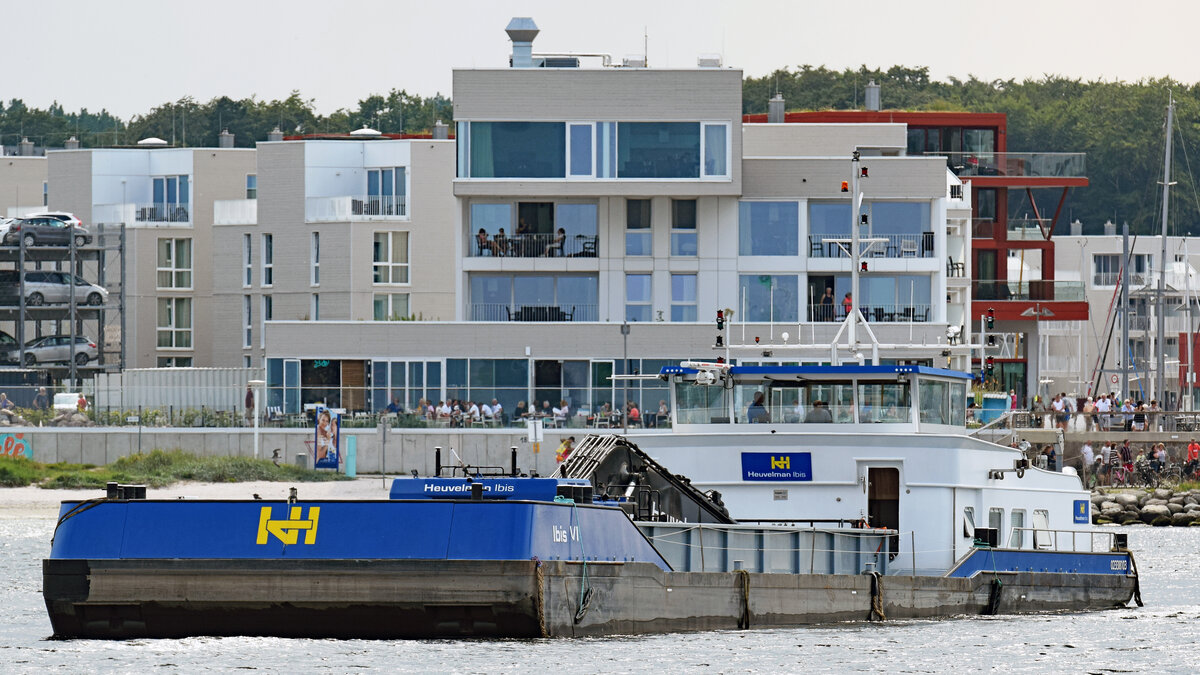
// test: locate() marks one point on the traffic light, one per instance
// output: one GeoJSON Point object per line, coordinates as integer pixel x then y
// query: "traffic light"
{"type": "Point", "coordinates": [720, 359]}
{"type": "Point", "coordinates": [991, 366]}
{"type": "Point", "coordinates": [845, 186]}
{"type": "Point", "coordinates": [862, 267]}
{"type": "Point", "coordinates": [720, 319]}
{"type": "Point", "coordinates": [992, 340]}
{"type": "Point", "coordinates": [863, 172]}
{"type": "Point", "coordinates": [991, 318]}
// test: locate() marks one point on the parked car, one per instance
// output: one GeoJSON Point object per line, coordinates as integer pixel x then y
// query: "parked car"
{"type": "Point", "coordinates": [57, 349]}
{"type": "Point", "coordinates": [66, 402]}
{"type": "Point", "coordinates": [64, 216]}
{"type": "Point", "coordinates": [46, 231]}
{"type": "Point", "coordinates": [9, 348]}
{"type": "Point", "coordinates": [4, 225]}
{"type": "Point", "coordinates": [44, 287]}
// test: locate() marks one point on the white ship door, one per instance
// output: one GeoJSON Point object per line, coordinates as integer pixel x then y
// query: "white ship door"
{"type": "Point", "coordinates": [883, 502]}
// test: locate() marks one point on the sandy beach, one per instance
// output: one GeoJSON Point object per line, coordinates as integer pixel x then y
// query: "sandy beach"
{"type": "Point", "coordinates": [24, 502]}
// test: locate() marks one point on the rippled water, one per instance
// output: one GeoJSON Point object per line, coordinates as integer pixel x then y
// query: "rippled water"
{"type": "Point", "coordinates": [1162, 637]}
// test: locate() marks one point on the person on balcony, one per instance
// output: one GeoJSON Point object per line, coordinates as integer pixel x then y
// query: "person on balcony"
{"type": "Point", "coordinates": [556, 244]}
{"type": "Point", "coordinates": [847, 305]}
{"type": "Point", "coordinates": [826, 308]}
{"type": "Point", "coordinates": [481, 240]}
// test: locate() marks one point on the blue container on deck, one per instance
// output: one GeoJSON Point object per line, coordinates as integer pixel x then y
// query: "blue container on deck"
{"type": "Point", "coordinates": [993, 407]}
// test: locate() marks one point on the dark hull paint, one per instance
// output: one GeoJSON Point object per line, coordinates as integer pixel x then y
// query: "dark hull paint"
{"type": "Point", "coordinates": [120, 599]}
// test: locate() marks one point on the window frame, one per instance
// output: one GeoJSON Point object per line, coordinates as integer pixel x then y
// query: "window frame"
{"type": "Point", "coordinates": [267, 314]}
{"type": "Point", "coordinates": [247, 321]}
{"type": "Point", "coordinates": [314, 307]}
{"type": "Point", "coordinates": [172, 268]}
{"type": "Point", "coordinates": [704, 175]}
{"type": "Point", "coordinates": [267, 259]}
{"type": "Point", "coordinates": [252, 186]}
{"type": "Point", "coordinates": [677, 231]}
{"type": "Point", "coordinates": [648, 303]}
{"type": "Point", "coordinates": [391, 306]}
{"type": "Point", "coordinates": [591, 161]}
{"type": "Point", "coordinates": [248, 260]}
{"type": "Point", "coordinates": [646, 233]}
{"type": "Point", "coordinates": [172, 327]}
{"type": "Point", "coordinates": [684, 304]}
{"type": "Point", "coordinates": [391, 266]}
{"type": "Point", "coordinates": [314, 256]}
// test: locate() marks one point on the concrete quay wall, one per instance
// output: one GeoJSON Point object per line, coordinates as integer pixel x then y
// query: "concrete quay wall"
{"type": "Point", "coordinates": [407, 449]}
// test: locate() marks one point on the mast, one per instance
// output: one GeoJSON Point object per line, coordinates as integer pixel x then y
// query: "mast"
{"type": "Point", "coordinates": [1162, 265]}
{"type": "Point", "coordinates": [1123, 357]}
{"type": "Point", "coordinates": [856, 206]}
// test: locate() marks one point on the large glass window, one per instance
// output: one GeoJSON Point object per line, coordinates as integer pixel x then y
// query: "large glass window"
{"type": "Point", "coordinates": [481, 380]}
{"type": "Point", "coordinates": [390, 258]}
{"type": "Point", "coordinates": [638, 297]}
{"type": "Point", "coordinates": [175, 323]}
{"type": "Point", "coordinates": [985, 204]}
{"type": "Point", "coordinates": [768, 228]}
{"type": "Point", "coordinates": [517, 150]}
{"type": "Point", "coordinates": [766, 297]}
{"type": "Point", "coordinates": [500, 297]}
{"type": "Point", "coordinates": [175, 263]}
{"type": "Point", "coordinates": [578, 225]}
{"type": "Point", "coordinates": [884, 402]}
{"type": "Point", "coordinates": [828, 219]}
{"type": "Point", "coordinates": [658, 149]}
{"type": "Point", "coordinates": [683, 297]}
{"type": "Point", "coordinates": [716, 150]}
{"type": "Point", "coordinates": [934, 402]}
{"type": "Point", "coordinates": [1106, 268]}
{"type": "Point", "coordinates": [171, 200]}
{"type": "Point", "coordinates": [637, 227]}
{"type": "Point", "coordinates": [683, 227]}
{"type": "Point", "coordinates": [387, 192]}
{"type": "Point", "coordinates": [581, 150]}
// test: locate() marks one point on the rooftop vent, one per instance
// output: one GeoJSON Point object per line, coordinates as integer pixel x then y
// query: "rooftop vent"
{"type": "Point", "coordinates": [440, 130]}
{"type": "Point", "coordinates": [224, 139]}
{"type": "Point", "coordinates": [872, 96]}
{"type": "Point", "coordinates": [26, 148]}
{"type": "Point", "coordinates": [522, 30]}
{"type": "Point", "coordinates": [775, 109]}
{"type": "Point", "coordinates": [708, 61]}
{"type": "Point", "coordinates": [636, 61]}
{"type": "Point", "coordinates": [365, 132]}
{"type": "Point", "coordinates": [1110, 228]}
{"type": "Point", "coordinates": [275, 134]}
{"type": "Point", "coordinates": [1076, 228]}
{"type": "Point", "coordinates": [152, 142]}
{"type": "Point", "coordinates": [72, 143]}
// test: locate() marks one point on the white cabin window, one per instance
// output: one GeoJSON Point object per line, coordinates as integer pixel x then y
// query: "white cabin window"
{"type": "Point", "coordinates": [1041, 526]}
{"type": "Point", "coordinates": [969, 521]}
{"type": "Point", "coordinates": [996, 519]}
{"type": "Point", "coordinates": [1017, 520]}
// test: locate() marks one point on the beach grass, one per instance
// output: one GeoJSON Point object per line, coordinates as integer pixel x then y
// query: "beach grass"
{"type": "Point", "coordinates": [157, 468]}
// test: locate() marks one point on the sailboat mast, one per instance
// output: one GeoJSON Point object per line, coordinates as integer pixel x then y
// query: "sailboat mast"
{"type": "Point", "coordinates": [1162, 263]}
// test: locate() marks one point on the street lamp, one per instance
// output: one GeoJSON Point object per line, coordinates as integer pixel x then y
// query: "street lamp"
{"type": "Point", "coordinates": [254, 386]}
{"type": "Point", "coordinates": [625, 381]}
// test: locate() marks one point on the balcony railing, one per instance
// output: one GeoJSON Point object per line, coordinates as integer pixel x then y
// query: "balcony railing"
{"type": "Point", "coordinates": [152, 213]}
{"type": "Point", "coordinates": [895, 246]}
{"type": "Point", "coordinates": [1017, 164]}
{"type": "Point", "coordinates": [351, 207]}
{"type": "Point", "coordinates": [535, 246]}
{"type": "Point", "coordinates": [485, 311]}
{"type": "Point", "coordinates": [1061, 291]}
{"type": "Point", "coordinates": [883, 313]}
{"type": "Point", "coordinates": [235, 212]}
{"type": "Point", "coordinates": [1111, 279]}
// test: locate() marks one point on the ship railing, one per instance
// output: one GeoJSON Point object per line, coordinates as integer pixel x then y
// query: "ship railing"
{"type": "Point", "coordinates": [1073, 541]}
{"type": "Point", "coordinates": [691, 547]}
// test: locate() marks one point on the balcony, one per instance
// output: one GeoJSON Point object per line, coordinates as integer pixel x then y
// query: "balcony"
{"type": "Point", "coordinates": [1050, 291]}
{"type": "Point", "coordinates": [1137, 279]}
{"type": "Point", "coordinates": [535, 246]}
{"type": "Point", "coordinates": [137, 214]}
{"type": "Point", "coordinates": [882, 313]}
{"type": "Point", "coordinates": [355, 208]}
{"type": "Point", "coordinates": [894, 246]}
{"type": "Point", "coordinates": [235, 212]}
{"type": "Point", "coordinates": [518, 312]}
{"type": "Point", "coordinates": [1017, 164]}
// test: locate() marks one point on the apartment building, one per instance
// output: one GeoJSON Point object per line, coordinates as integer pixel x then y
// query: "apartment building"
{"type": "Point", "coordinates": [164, 197]}
{"type": "Point", "coordinates": [597, 218]}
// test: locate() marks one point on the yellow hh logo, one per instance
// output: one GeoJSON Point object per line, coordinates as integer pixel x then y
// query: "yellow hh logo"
{"type": "Point", "coordinates": [784, 462]}
{"type": "Point", "coordinates": [288, 531]}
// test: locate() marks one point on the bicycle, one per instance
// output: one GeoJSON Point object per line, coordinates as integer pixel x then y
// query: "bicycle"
{"type": "Point", "coordinates": [1118, 474]}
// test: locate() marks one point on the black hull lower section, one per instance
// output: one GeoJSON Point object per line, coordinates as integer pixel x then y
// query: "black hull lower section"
{"type": "Point", "coordinates": [121, 599]}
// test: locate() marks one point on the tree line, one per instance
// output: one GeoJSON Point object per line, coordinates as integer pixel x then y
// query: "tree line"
{"type": "Point", "coordinates": [1120, 125]}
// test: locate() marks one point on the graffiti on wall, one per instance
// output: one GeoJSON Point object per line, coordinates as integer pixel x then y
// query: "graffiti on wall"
{"type": "Point", "coordinates": [16, 445]}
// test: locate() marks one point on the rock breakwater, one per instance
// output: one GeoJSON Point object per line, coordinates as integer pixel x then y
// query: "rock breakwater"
{"type": "Point", "coordinates": [1161, 507]}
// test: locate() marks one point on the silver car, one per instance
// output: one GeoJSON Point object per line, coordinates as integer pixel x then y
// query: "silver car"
{"type": "Point", "coordinates": [57, 349]}
{"type": "Point", "coordinates": [43, 288]}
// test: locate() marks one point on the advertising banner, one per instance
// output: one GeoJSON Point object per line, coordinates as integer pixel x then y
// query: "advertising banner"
{"type": "Point", "coordinates": [326, 450]}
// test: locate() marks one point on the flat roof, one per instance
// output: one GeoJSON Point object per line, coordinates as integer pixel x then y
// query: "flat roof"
{"type": "Point", "coordinates": [812, 370]}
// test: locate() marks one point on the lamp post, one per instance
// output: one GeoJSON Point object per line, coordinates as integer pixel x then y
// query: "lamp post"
{"type": "Point", "coordinates": [254, 386]}
{"type": "Point", "coordinates": [625, 382]}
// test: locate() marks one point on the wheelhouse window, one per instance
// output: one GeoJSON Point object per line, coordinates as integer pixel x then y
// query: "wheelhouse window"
{"type": "Point", "coordinates": [816, 402]}
{"type": "Point", "coordinates": [768, 228]}
{"type": "Point", "coordinates": [700, 405]}
{"type": "Point", "coordinates": [390, 258]}
{"type": "Point", "coordinates": [884, 402]}
{"type": "Point", "coordinates": [175, 323]}
{"type": "Point", "coordinates": [174, 263]}
{"type": "Point", "coordinates": [934, 401]}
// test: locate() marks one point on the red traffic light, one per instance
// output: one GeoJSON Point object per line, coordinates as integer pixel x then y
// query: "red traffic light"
{"type": "Point", "coordinates": [863, 172]}
{"type": "Point", "coordinates": [863, 266]}
{"type": "Point", "coordinates": [720, 359]}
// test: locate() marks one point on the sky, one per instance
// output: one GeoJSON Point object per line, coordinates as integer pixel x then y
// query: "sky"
{"type": "Point", "coordinates": [128, 56]}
